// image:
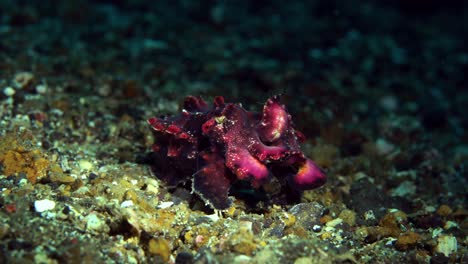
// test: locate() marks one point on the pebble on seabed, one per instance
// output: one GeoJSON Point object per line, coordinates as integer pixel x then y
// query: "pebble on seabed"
{"type": "Point", "coordinates": [8, 91]}
{"type": "Point", "coordinates": [44, 205]}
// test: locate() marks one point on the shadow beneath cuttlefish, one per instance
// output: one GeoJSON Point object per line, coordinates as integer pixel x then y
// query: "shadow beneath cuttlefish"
{"type": "Point", "coordinates": [251, 200]}
{"type": "Point", "coordinates": [241, 193]}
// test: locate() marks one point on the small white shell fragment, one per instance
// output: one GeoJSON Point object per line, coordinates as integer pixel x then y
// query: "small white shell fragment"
{"type": "Point", "coordinates": [126, 203]}
{"type": "Point", "coordinates": [436, 232]}
{"type": "Point", "coordinates": [85, 165]}
{"type": "Point", "coordinates": [384, 147]}
{"type": "Point", "coordinates": [446, 244]}
{"type": "Point", "coordinates": [334, 222]}
{"type": "Point", "coordinates": [450, 224]}
{"type": "Point", "coordinates": [163, 205]}
{"type": "Point", "coordinates": [41, 89]}
{"type": "Point", "coordinates": [44, 205]}
{"type": "Point", "coordinates": [8, 91]}
{"type": "Point", "coordinates": [94, 223]}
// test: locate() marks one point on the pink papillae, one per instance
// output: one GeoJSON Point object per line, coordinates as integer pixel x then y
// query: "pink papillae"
{"type": "Point", "coordinates": [246, 167]}
{"type": "Point", "coordinates": [275, 120]}
{"type": "Point", "coordinates": [219, 145]}
{"type": "Point", "coordinates": [267, 153]}
{"type": "Point", "coordinates": [309, 176]}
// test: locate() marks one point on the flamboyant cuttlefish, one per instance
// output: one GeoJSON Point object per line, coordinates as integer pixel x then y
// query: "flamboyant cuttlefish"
{"type": "Point", "coordinates": [218, 145]}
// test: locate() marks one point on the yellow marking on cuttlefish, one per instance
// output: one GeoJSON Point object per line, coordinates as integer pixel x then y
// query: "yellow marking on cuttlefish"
{"type": "Point", "coordinates": [220, 119]}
